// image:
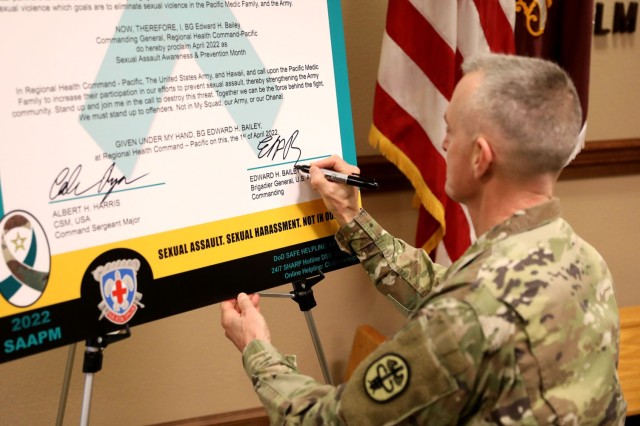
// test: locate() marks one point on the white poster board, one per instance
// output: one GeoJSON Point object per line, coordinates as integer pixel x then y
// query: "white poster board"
{"type": "Point", "coordinates": [146, 162]}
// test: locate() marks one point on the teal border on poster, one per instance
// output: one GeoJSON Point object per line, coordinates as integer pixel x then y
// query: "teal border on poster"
{"type": "Point", "coordinates": [341, 77]}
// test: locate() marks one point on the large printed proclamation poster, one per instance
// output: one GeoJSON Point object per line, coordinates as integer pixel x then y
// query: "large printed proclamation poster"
{"type": "Point", "coordinates": [147, 153]}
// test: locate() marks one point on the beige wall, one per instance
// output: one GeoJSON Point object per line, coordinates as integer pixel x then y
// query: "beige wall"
{"type": "Point", "coordinates": [183, 367]}
{"type": "Point", "coordinates": [614, 99]}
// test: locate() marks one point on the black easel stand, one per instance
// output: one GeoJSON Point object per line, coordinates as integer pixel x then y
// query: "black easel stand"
{"type": "Point", "coordinates": [93, 363]}
{"type": "Point", "coordinates": [303, 295]}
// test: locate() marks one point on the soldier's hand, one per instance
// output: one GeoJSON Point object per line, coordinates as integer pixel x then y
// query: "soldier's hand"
{"type": "Point", "coordinates": [340, 199]}
{"type": "Point", "coordinates": [243, 322]}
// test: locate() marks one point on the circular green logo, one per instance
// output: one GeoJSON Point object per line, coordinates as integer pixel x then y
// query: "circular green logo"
{"type": "Point", "coordinates": [386, 378]}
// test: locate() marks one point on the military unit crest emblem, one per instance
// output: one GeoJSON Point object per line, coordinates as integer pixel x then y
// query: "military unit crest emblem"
{"type": "Point", "coordinates": [118, 287]}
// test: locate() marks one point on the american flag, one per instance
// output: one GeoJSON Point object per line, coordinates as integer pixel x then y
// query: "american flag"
{"type": "Point", "coordinates": [424, 44]}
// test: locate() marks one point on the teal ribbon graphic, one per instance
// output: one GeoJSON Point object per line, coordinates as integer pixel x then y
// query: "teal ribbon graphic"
{"type": "Point", "coordinates": [21, 272]}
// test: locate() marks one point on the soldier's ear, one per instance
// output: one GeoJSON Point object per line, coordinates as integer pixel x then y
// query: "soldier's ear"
{"type": "Point", "coordinates": [482, 157]}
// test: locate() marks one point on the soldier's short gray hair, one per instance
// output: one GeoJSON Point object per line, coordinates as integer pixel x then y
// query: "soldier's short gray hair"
{"type": "Point", "coordinates": [534, 105]}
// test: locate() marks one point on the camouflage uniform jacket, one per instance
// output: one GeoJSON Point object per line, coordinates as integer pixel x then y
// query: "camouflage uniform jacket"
{"type": "Point", "coordinates": [522, 329]}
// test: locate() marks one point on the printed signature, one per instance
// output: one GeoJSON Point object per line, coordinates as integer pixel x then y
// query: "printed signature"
{"type": "Point", "coordinates": [271, 147]}
{"type": "Point", "coordinates": [68, 183]}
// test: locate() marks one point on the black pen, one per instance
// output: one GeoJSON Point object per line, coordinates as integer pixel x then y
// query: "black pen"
{"type": "Point", "coordinates": [333, 176]}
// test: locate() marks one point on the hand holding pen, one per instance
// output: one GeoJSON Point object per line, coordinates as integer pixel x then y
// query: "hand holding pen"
{"type": "Point", "coordinates": [353, 179]}
{"type": "Point", "coordinates": [341, 200]}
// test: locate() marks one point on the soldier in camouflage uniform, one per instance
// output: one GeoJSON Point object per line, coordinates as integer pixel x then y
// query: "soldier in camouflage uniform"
{"type": "Point", "coordinates": [522, 329]}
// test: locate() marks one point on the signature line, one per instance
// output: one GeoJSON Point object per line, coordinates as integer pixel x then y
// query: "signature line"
{"type": "Point", "coordinates": [103, 193]}
{"type": "Point", "coordinates": [287, 162]}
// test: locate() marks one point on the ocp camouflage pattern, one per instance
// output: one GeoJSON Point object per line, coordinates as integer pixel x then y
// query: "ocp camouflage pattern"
{"type": "Point", "coordinates": [522, 329]}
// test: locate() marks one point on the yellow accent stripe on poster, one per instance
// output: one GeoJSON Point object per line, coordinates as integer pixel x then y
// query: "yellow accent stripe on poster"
{"type": "Point", "coordinates": [176, 251]}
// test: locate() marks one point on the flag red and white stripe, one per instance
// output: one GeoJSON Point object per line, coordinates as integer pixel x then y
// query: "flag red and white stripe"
{"type": "Point", "coordinates": [423, 47]}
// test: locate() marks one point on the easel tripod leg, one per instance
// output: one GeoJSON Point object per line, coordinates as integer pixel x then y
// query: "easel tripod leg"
{"type": "Point", "coordinates": [303, 295]}
{"type": "Point", "coordinates": [64, 393]}
{"type": "Point", "coordinates": [318, 347]}
{"type": "Point", "coordinates": [86, 399]}
{"type": "Point", "coordinates": [93, 363]}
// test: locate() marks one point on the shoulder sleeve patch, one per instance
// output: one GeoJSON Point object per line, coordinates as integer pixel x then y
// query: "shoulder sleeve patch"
{"type": "Point", "coordinates": [386, 377]}
{"type": "Point", "coordinates": [402, 376]}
